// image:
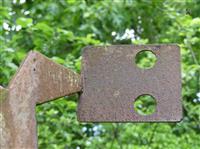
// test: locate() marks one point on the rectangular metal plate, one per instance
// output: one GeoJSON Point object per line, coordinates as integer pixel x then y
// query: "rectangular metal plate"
{"type": "Point", "coordinates": [112, 81]}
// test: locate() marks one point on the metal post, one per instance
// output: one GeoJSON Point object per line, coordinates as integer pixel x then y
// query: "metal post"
{"type": "Point", "coordinates": [38, 80]}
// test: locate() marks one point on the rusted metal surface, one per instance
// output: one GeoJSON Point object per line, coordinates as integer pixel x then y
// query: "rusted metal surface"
{"type": "Point", "coordinates": [38, 80]}
{"type": "Point", "coordinates": [112, 81]}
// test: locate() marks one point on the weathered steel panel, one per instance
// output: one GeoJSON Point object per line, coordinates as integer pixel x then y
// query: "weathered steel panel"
{"type": "Point", "coordinates": [112, 81]}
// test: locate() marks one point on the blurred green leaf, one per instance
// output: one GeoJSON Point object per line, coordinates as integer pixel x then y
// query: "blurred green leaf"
{"type": "Point", "coordinates": [24, 22]}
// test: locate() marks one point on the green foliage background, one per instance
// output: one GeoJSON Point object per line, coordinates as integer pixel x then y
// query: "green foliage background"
{"type": "Point", "coordinates": [61, 28]}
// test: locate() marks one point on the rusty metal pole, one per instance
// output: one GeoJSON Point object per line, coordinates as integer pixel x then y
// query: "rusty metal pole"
{"type": "Point", "coordinates": [38, 80]}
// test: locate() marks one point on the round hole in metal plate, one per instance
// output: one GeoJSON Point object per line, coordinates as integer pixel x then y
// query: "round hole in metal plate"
{"type": "Point", "coordinates": [145, 59]}
{"type": "Point", "coordinates": [145, 104]}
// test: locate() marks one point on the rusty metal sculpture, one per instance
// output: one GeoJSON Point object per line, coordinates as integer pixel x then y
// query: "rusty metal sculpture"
{"type": "Point", "coordinates": [38, 80]}
{"type": "Point", "coordinates": [110, 83]}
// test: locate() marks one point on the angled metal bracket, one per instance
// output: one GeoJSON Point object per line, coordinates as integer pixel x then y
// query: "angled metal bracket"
{"type": "Point", "coordinates": [38, 80]}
